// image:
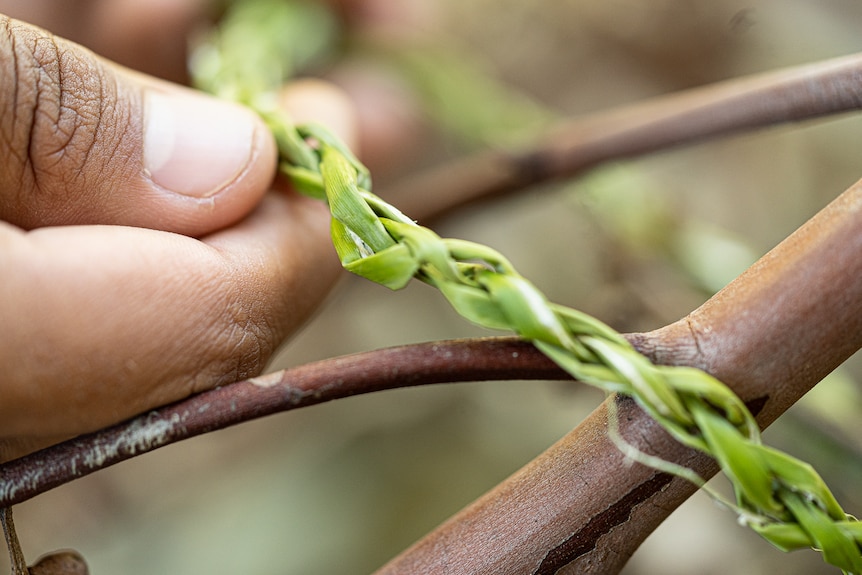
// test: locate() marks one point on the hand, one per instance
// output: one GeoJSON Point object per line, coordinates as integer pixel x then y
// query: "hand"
{"type": "Point", "coordinates": [143, 255]}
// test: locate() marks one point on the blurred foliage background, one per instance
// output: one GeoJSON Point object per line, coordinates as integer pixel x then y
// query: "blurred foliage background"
{"type": "Point", "coordinates": [339, 489]}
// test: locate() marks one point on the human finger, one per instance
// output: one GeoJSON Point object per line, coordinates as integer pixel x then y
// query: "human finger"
{"type": "Point", "coordinates": [103, 322]}
{"type": "Point", "coordinates": [160, 317]}
{"type": "Point", "coordinates": [86, 142]}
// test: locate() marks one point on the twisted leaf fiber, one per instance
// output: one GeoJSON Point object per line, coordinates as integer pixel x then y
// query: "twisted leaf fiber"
{"type": "Point", "coordinates": [780, 497]}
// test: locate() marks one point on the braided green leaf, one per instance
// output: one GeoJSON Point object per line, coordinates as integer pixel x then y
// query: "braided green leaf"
{"type": "Point", "coordinates": [781, 498]}
{"type": "Point", "coordinates": [426, 247]}
{"type": "Point", "coordinates": [358, 230]}
{"type": "Point", "coordinates": [394, 267]}
{"type": "Point", "coordinates": [824, 533]}
{"type": "Point", "coordinates": [743, 461]}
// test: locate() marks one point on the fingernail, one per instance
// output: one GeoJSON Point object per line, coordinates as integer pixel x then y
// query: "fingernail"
{"type": "Point", "coordinates": [195, 145]}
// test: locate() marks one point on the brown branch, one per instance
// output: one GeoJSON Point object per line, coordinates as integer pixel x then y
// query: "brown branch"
{"type": "Point", "coordinates": [411, 365]}
{"type": "Point", "coordinates": [771, 335]}
{"type": "Point", "coordinates": [791, 95]}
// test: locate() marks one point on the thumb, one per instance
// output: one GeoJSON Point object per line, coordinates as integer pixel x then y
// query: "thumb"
{"type": "Point", "coordinates": [83, 141]}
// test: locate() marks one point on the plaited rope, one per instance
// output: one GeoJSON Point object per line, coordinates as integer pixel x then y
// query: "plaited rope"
{"type": "Point", "coordinates": [780, 497]}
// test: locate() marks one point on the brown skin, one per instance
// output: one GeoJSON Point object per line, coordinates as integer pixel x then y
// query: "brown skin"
{"type": "Point", "coordinates": [126, 296]}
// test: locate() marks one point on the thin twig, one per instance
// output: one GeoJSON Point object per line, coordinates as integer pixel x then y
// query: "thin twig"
{"type": "Point", "coordinates": [311, 384]}
{"type": "Point", "coordinates": [791, 95]}
{"type": "Point", "coordinates": [16, 555]}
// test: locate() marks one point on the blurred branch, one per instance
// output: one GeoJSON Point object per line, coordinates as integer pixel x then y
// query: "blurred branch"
{"type": "Point", "coordinates": [311, 384]}
{"type": "Point", "coordinates": [791, 95]}
{"type": "Point", "coordinates": [581, 507]}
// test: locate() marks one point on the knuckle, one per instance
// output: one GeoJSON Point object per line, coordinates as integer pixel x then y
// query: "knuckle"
{"type": "Point", "coordinates": [245, 338]}
{"type": "Point", "coordinates": [250, 341]}
{"type": "Point", "coordinates": [62, 124]}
